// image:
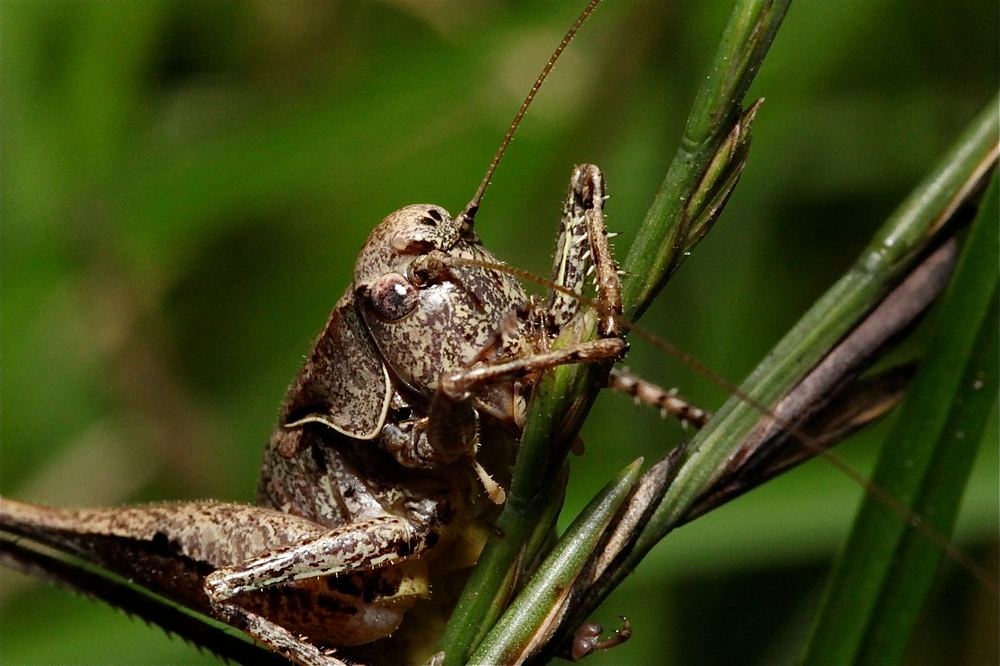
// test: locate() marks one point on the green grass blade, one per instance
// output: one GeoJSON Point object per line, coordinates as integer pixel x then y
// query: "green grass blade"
{"type": "Point", "coordinates": [695, 174]}
{"type": "Point", "coordinates": [512, 635]}
{"type": "Point", "coordinates": [886, 569]}
{"type": "Point", "coordinates": [903, 237]}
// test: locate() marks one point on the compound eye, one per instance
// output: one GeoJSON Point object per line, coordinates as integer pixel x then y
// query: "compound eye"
{"type": "Point", "coordinates": [392, 297]}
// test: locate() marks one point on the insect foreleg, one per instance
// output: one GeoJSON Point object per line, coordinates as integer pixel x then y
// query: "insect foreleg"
{"type": "Point", "coordinates": [583, 246]}
{"type": "Point", "coordinates": [462, 384]}
{"type": "Point", "coordinates": [659, 398]}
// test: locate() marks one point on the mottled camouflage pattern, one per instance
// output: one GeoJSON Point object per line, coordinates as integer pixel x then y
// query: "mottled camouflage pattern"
{"type": "Point", "coordinates": [170, 548]}
{"type": "Point", "coordinates": [372, 485]}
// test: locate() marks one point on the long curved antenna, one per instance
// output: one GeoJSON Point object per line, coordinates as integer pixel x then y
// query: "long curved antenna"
{"type": "Point", "coordinates": [467, 217]}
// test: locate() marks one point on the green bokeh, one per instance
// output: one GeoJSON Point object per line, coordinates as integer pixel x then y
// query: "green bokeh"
{"type": "Point", "coordinates": [185, 184]}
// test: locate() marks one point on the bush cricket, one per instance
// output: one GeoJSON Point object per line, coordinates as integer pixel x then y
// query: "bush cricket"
{"type": "Point", "coordinates": [178, 292]}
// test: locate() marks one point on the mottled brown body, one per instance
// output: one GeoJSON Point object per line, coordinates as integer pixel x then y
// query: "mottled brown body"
{"type": "Point", "coordinates": [423, 306]}
{"type": "Point", "coordinates": [372, 486]}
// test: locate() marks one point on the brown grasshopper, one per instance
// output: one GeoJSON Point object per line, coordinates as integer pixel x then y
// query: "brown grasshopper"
{"type": "Point", "coordinates": [403, 434]}
{"type": "Point", "coordinates": [373, 468]}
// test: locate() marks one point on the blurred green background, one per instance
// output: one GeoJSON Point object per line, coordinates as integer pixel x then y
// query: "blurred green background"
{"type": "Point", "coordinates": [185, 185]}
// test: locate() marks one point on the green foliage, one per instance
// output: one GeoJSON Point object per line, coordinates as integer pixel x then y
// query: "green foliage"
{"type": "Point", "coordinates": [885, 569]}
{"type": "Point", "coordinates": [185, 186]}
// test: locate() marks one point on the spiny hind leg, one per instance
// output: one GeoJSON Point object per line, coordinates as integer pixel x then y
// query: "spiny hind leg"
{"type": "Point", "coordinates": [294, 648]}
{"type": "Point", "coordinates": [360, 546]}
{"type": "Point", "coordinates": [381, 551]}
